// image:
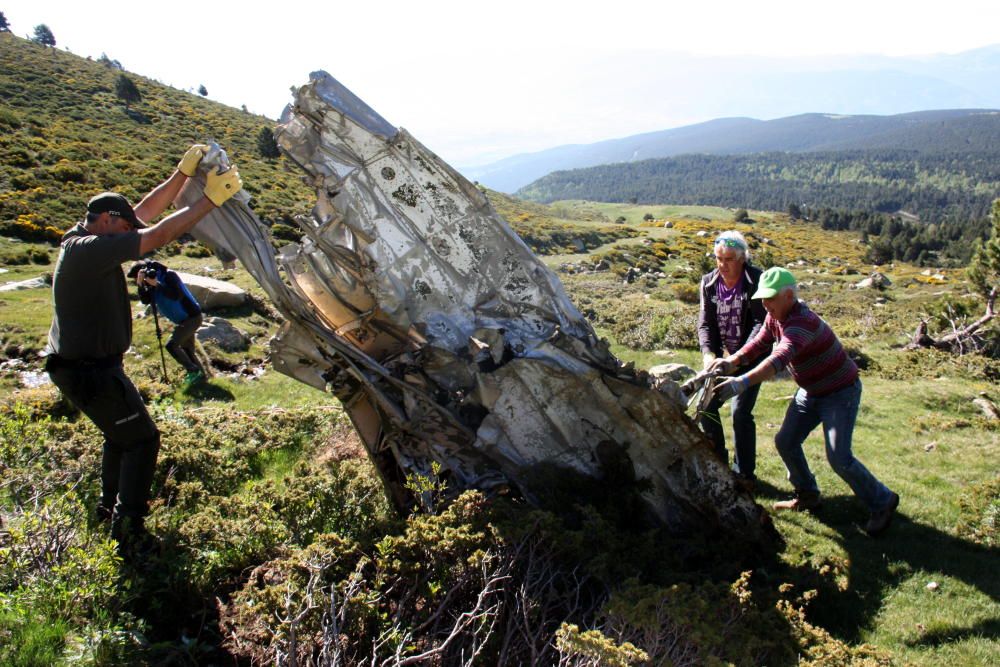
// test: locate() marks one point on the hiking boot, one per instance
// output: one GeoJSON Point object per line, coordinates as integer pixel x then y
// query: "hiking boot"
{"type": "Point", "coordinates": [135, 543]}
{"type": "Point", "coordinates": [804, 501]}
{"type": "Point", "coordinates": [102, 513]}
{"type": "Point", "coordinates": [194, 378]}
{"type": "Point", "coordinates": [880, 519]}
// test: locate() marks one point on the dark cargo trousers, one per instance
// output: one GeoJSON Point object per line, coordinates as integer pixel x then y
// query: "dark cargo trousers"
{"type": "Point", "coordinates": [131, 440]}
{"type": "Point", "coordinates": [181, 343]}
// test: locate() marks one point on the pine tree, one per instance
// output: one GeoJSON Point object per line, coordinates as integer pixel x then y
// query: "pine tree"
{"type": "Point", "coordinates": [126, 91]}
{"type": "Point", "coordinates": [202, 90]}
{"type": "Point", "coordinates": [43, 35]}
{"type": "Point", "coordinates": [984, 270]}
{"type": "Point", "coordinates": [266, 145]}
{"type": "Point", "coordinates": [109, 63]}
{"type": "Point", "coordinates": [4, 26]}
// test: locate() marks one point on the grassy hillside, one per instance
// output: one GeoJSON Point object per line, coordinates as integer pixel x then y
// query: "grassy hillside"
{"type": "Point", "coordinates": [65, 136]}
{"type": "Point", "coordinates": [553, 231]}
{"type": "Point", "coordinates": [278, 538]}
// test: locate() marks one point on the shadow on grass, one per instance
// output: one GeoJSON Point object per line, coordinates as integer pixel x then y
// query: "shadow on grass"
{"type": "Point", "coordinates": [875, 569]}
{"type": "Point", "coordinates": [138, 116]}
{"type": "Point", "coordinates": [206, 391]}
{"type": "Point", "coordinates": [988, 628]}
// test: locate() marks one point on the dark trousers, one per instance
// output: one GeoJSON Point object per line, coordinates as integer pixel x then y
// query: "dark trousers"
{"type": "Point", "coordinates": [744, 431]}
{"type": "Point", "coordinates": [181, 343]}
{"type": "Point", "coordinates": [131, 439]}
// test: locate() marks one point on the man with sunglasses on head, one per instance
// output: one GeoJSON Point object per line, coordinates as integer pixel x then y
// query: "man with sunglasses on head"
{"type": "Point", "coordinates": [727, 320]}
{"type": "Point", "coordinates": [92, 328]}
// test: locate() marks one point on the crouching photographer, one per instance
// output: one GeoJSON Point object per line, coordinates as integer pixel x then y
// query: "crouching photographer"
{"type": "Point", "coordinates": [167, 293]}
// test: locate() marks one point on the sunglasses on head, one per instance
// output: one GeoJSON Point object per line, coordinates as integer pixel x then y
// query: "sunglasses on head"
{"type": "Point", "coordinates": [731, 243]}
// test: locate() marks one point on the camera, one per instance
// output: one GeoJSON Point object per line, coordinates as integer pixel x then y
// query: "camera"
{"type": "Point", "coordinates": [146, 270]}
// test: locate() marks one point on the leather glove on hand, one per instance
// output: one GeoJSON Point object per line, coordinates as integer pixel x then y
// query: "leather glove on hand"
{"type": "Point", "coordinates": [189, 163]}
{"type": "Point", "coordinates": [220, 187]}
{"type": "Point", "coordinates": [731, 387]}
{"type": "Point", "coordinates": [721, 367]}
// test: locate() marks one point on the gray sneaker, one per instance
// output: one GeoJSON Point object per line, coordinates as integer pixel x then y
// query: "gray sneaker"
{"type": "Point", "coordinates": [880, 519]}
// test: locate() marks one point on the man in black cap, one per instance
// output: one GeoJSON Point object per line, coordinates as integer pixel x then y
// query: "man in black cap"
{"type": "Point", "coordinates": [92, 328]}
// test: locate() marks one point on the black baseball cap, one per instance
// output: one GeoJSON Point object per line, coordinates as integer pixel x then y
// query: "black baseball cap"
{"type": "Point", "coordinates": [115, 204]}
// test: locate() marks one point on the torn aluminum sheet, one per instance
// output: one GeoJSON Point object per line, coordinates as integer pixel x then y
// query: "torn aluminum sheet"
{"type": "Point", "coordinates": [446, 339]}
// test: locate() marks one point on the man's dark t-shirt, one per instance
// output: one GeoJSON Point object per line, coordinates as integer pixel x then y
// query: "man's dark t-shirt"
{"type": "Point", "coordinates": [92, 318]}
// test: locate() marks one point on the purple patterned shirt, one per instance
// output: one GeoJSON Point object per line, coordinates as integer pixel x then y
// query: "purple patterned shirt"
{"type": "Point", "coordinates": [729, 310]}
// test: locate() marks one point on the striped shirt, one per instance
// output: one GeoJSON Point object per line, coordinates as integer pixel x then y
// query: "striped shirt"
{"type": "Point", "coordinates": [808, 348]}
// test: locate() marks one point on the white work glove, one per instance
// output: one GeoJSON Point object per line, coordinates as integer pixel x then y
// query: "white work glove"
{"type": "Point", "coordinates": [707, 359]}
{"type": "Point", "coordinates": [721, 367]}
{"type": "Point", "coordinates": [731, 387]}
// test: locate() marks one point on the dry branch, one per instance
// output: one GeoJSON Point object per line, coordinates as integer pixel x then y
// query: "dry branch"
{"type": "Point", "coordinates": [961, 339]}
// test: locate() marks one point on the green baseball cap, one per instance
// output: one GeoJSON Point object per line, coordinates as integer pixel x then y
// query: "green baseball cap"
{"type": "Point", "coordinates": [773, 281]}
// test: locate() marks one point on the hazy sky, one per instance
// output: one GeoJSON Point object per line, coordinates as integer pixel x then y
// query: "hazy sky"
{"type": "Point", "coordinates": [476, 81]}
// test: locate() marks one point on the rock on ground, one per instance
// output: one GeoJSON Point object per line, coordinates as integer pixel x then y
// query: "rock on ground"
{"type": "Point", "coordinates": [211, 293]}
{"type": "Point", "coordinates": [32, 283]}
{"type": "Point", "coordinates": [224, 334]}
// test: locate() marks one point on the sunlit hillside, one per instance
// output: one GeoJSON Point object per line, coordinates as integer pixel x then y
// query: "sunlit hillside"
{"type": "Point", "coordinates": [65, 135]}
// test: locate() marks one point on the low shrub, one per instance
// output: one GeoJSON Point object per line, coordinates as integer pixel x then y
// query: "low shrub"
{"type": "Point", "coordinates": [28, 228]}
{"type": "Point", "coordinates": [633, 328]}
{"type": "Point", "coordinates": [979, 518]}
{"type": "Point", "coordinates": [196, 249]}
{"type": "Point", "coordinates": [65, 172]}
{"type": "Point", "coordinates": [286, 233]}
{"type": "Point", "coordinates": [676, 329]}
{"type": "Point", "coordinates": [18, 157]}
{"type": "Point", "coordinates": [687, 293]}
{"type": "Point", "coordinates": [9, 119]}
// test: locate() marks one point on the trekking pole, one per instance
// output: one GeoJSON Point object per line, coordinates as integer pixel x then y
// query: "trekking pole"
{"type": "Point", "coordinates": [159, 340]}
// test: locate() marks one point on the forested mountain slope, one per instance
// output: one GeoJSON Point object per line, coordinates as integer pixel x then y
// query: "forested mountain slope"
{"type": "Point", "coordinates": [935, 186]}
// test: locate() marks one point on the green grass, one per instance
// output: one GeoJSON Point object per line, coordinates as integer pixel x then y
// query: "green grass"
{"type": "Point", "coordinates": [872, 591]}
{"type": "Point", "coordinates": [272, 390]}
{"type": "Point", "coordinates": [633, 213]}
{"type": "Point", "coordinates": [883, 598]}
{"type": "Point", "coordinates": [30, 644]}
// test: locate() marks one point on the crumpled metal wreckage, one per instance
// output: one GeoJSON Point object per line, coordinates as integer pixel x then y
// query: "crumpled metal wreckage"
{"type": "Point", "coordinates": [413, 302]}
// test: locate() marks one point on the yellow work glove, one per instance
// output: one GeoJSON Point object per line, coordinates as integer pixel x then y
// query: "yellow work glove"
{"type": "Point", "coordinates": [220, 187]}
{"type": "Point", "coordinates": [189, 163]}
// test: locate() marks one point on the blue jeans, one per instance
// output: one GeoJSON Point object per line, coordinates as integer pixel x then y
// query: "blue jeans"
{"type": "Point", "coordinates": [837, 412]}
{"type": "Point", "coordinates": [744, 431]}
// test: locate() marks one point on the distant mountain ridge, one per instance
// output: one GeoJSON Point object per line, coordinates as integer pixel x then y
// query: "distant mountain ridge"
{"type": "Point", "coordinates": [937, 131]}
